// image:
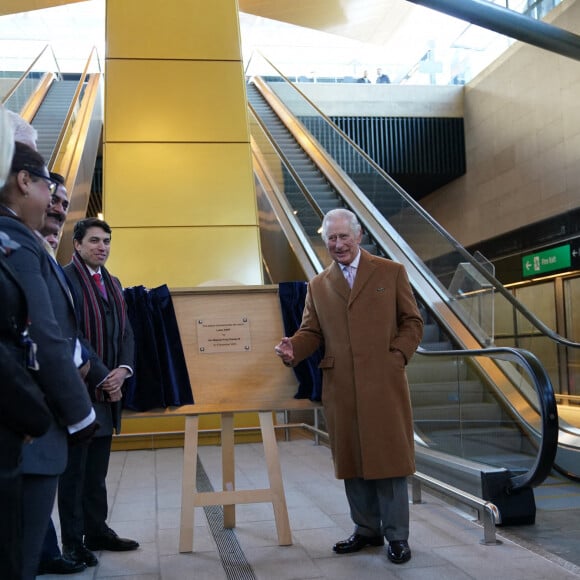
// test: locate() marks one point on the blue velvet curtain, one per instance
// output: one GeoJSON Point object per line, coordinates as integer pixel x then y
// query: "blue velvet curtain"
{"type": "Point", "coordinates": [292, 297]}
{"type": "Point", "coordinates": [160, 378]}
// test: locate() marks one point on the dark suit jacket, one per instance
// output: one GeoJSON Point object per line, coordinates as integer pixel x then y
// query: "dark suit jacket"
{"type": "Point", "coordinates": [22, 407]}
{"type": "Point", "coordinates": [122, 351]}
{"type": "Point", "coordinates": [54, 329]}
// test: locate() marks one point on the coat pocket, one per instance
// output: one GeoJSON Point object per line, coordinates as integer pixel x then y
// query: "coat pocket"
{"type": "Point", "coordinates": [326, 363]}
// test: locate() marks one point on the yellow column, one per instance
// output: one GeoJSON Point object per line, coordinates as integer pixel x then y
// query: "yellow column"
{"type": "Point", "coordinates": [178, 182]}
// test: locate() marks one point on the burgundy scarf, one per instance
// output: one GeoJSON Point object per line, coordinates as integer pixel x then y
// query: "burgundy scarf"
{"type": "Point", "coordinates": [93, 319]}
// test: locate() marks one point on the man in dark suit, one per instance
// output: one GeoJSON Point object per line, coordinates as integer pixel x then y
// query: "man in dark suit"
{"type": "Point", "coordinates": [23, 201]}
{"type": "Point", "coordinates": [51, 559]}
{"type": "Point", "coordinates": [82, 497]}
{"type": "Point", "coordinates": [363, 309]}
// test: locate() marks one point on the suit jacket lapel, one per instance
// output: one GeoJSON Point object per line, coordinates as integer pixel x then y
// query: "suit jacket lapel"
{"type": "Point", "coordinates": [61, 277]}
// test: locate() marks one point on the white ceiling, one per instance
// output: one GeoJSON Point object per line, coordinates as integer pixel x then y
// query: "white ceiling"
{"type": "Point", "coordinates": [359, 35]}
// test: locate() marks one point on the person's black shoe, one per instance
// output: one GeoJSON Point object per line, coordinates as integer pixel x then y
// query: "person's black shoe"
{"type": "Point", "coordinates": [109, 540]}
{"type": "Point", "coordinates": [80, 554]}
{"type": "Point", "coordinates": [60, 565]}
{"type": "Point", "coordinates": [357, 542]}
{"type": "Point", "coordinates": [399, 552]}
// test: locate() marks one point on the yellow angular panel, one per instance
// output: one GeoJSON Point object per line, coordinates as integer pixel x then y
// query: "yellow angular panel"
{"type": "Point", "coordinates": [179, 184]}
{"type": "Point", "coordinates": [15, 6]}
{"type": "Point", "coordinates": [175, 29]}
{"type": "Point", "coordinates": [169, 101]}
{"type": "Point", "coordinates": [186, 257]}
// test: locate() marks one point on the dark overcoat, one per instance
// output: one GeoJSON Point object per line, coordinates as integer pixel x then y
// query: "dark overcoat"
{"type": "Point", "coordinates": [365, 392]}
{"type": "Point", "coordinates": [53, 327]}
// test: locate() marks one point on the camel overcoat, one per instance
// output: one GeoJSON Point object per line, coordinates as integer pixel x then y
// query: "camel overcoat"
{"type": "Point", "coordinates": [365, 393]}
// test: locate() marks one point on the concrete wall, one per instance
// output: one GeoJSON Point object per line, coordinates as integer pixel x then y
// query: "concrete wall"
{"type": "Point", "coordinates": [522, 127]}
{"type": "Point", "coordinates": [342, 99]}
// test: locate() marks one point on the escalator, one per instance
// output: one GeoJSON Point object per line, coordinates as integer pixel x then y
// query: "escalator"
{"type": "Point", "coordinates": [485, 415]}
{"type": "Point", "coordinates": [66, 111]}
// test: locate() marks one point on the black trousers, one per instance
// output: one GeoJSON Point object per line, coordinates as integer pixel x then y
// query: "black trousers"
{"type": "Point", "coordinates": [82, 492]}
{"type": "Point", "coordinates": [11, 528]}
{"type": "Point", "coordinates": [38, 493]}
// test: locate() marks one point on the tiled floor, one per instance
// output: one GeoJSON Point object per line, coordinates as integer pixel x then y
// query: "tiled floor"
{"type": "Point", "coordinates": [145, 497]}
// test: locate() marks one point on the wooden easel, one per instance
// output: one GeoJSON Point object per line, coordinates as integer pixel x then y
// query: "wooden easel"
{"type": "Point", "coordinates": [230, 383]}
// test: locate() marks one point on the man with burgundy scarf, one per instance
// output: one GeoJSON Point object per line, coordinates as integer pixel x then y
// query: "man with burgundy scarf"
{"type": "Point", "coordinates": [98, 296]}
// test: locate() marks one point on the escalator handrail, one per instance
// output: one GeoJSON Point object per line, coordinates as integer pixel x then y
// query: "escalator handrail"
{"type": "Point", "coordinates": [302, 247]}
{"type": "Point", "coordinates": [287, 165]}
{"type": "Point", "coordinates": [539, 378]}
{"type": "Point", "coordinates": [73, 105]}
{"type": "Point", "coordinates": [548, 410]}
{"type": "Point", "coordinates": [548, 446]}
{"type": "Point", "coordinates": [29, 70]}
{"type": "Point", "coordinates": [497, 285]}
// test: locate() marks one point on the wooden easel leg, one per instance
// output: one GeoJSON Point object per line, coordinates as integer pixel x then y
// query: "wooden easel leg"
{"type": "Point", "coordinates": [275, 478]}
{"type": "Point", "coordinates": [188, 484]}
{"type": "Point", "coordinates": [228, 467]}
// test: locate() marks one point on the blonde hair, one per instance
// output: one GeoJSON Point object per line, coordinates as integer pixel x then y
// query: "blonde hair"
{"type": "Point", "coordinates": [6, 145]}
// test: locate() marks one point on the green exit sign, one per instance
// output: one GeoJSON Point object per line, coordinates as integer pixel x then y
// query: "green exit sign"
{"type": "Point", "coordinates": [557, 258]}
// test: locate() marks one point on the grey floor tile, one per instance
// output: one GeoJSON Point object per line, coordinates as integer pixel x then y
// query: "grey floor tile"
{"type": "Point", "coordinates": [281, 563]}
{"type": "Point", "coordinates": [145, 560]}
{"type": "Point", "coordinates": [145, 497]}
{"type": "Point", "coordinates": [198, 566]}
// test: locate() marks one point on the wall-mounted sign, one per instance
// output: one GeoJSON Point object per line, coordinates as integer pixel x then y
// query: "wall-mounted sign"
{"type": "Point", "coordinates": [223, 335]}
{"type": "Point", "coordinates": [557, 258]}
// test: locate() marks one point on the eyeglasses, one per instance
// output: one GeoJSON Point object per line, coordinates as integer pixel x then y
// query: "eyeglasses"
{"type": "Point", "coordinates": [52, 185]}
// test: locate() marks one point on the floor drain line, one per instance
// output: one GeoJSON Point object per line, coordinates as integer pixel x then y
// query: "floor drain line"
{"type": "Point", "coordinates": [231, 554]}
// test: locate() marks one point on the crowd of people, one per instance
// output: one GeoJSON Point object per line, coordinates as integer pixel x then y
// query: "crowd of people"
{"type": "Point", "coordinates": [66, 349]}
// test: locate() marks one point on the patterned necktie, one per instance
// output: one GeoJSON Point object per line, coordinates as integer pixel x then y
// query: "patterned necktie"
{"type": "Point", "coordinates": [349, 275]}
{"type": "Point", "coordinates": [99, 282]}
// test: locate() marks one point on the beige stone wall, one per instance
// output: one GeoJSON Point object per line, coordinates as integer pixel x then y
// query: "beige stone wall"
{"type": "Point", "coordinates": [522, 128]}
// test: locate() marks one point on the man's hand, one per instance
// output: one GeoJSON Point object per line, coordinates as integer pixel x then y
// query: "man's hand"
{"type": "Point", "coordinates": [285, 351]}
{"type": "Point", "coordinates": [113, 383]}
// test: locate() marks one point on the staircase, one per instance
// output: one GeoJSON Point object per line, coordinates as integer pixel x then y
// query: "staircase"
{"type": "Point", "coordinates": [324, 195]}
{"type": "Point", "coordinates": [50, 117]}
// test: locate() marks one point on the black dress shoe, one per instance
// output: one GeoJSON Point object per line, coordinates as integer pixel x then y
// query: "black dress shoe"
{"type": "Point", "coordinates": [79, 554]}
{"type": "Point", "coordinates": [357, 542]}
{"type": "Point", "coordinates": [109, 540]}
{"type": "Point", "coordinates": [399, 552]}
{"type": "Point", "coordinates": [60, 565]}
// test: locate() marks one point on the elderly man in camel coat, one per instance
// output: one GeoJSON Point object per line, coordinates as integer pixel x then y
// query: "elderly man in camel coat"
{"type": "Point", "coordinates": [369, 332]}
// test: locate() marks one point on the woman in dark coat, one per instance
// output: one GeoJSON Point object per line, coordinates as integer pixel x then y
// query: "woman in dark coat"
{"type": "Point", "coordinates": [23, 412]}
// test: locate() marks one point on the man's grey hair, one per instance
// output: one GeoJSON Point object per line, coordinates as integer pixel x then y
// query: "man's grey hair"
{"type": "Point", "coordinates": [340, 213]}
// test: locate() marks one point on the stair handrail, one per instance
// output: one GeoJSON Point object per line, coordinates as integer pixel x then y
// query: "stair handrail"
{"type": "Point", "coordinates": [548, 409]}
{"type": "Point", "coordinates": [498, 286]}
{"type": "Point", "coordinates": [29, 70]}
{"type": "Point", "coordinates": [73, 105]}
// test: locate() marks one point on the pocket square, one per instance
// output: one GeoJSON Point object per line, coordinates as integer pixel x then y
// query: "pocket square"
{"type": "Point", "coordinates": [381, 289]}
